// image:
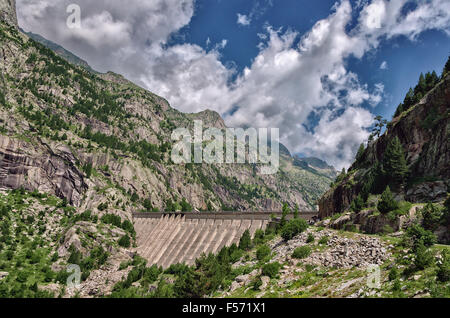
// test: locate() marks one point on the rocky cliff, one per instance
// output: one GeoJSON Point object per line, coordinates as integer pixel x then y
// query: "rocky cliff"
{"type": "Point", "coordinates": [8, 11]}
{"type": "Point", "coordinates": [423, 132]}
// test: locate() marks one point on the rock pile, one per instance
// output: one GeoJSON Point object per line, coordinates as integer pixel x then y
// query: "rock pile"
{"type": "Point", "coordinates": [341, 252]}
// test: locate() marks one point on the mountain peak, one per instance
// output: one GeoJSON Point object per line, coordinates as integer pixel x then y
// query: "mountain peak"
{"type": "Point", "coordinates": [8, 11]}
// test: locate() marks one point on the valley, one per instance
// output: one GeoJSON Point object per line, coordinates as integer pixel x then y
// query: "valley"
{"type": "Point", "coordinates": [92, 204]}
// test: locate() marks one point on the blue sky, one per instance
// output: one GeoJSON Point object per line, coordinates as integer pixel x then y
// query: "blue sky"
{"type": "Point", "coordinates": [318, 70]}
{"type": "Point", "coordinates": [406, 59]}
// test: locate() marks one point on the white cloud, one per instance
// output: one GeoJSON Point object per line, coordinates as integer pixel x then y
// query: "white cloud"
{"type": "Point", "coordinates": [243, 19]}
{"type": "Point", "coordinates": [384, 65]}
{"type": "Point", "coordinates": [286, 84]}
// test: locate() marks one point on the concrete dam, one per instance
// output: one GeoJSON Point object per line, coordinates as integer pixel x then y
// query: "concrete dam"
{"type": "Point", "coordinates": [170, 238]}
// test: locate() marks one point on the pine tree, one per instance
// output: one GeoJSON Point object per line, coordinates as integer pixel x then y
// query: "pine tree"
{"type": "Point", "coordinates": [394, 163]}
{"type": "Point", "coordinates": [285, 213]}
{"type": "Point", "coordinates": [409, 99]}
{"type": "Point", "coordinates": [296, 212]}
{"type": "Point", "coordinates": [380, 123]}
{"type": "Point", "coordinates": [399, 110]}
{"type": "Point", "coordinates": [357, 204]}
{"type": "Point", "coordinates": [431, 217]}
{"type": "Point", "coordinates": [360, 153]}
{"type": "Point", "coordinates": [246, 241]}
{"type": "Point", "coordinates": [421, 86]}
{"type": "Point", "coordinates": [387, 203]}
{"type": "Point", "coordinates": [446, 67]}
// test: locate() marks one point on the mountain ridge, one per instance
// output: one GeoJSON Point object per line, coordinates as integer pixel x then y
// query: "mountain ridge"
{"type": "Point", "coordinates": [423, 131]}
{"type": "Point", "coordinates": [100, 120]}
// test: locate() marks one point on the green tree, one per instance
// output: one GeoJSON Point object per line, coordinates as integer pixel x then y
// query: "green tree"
{"type": "Point", "coordinates": [245, 242]}
{"type": "Point", "coordinates": [443, 273]}
{"type": "Point", "coordinates": [341, 176]}
{"type": "Point", "coordinates": [296, 212]}
{"type": "Point", "coordinates": [431, 217]}
{"type": "Point", "coordinates": [292, 228]}
{"type": "Point", "coordinates": [357, 204]}
{"type": "Point", "coordinates": [409, 99]}
{"type": "Point", "coordinates": [271, 269]}
{"type": "Point", "coordinates": [124, 241]}
{"type": "Point", "coordinates": [285, 212]}
{"type": "Point", "coordinates": [446, 67]}
{"type": "Point", "coordinates": [262, 252]}
{"type": "Point", "coordinates": [394, 163]}
{"type": "Point", "coordinates": [393, 273]}
{"type": "Point", "coordinates": [423, 256]}
{"type": "Point", "coordinates": [360, 153]}
{"type": "Point", "coordinates": [185, 206]}
{"type": "Point", "coordinates": [379, 125]}
{"type": "Point", "coordinates": [387, 202]}
{"type": "Point", "coordinates": [302, 252]}
{"type": "Point", "coordinates": [446, 214]}
{"type": "Point", "coordinates": [418, 234]}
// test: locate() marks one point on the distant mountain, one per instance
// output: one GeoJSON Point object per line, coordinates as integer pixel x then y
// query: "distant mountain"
{"type": "Point", "coordinates": [316, 165]}
{"type": "Point", "coordinates": [58, 49]}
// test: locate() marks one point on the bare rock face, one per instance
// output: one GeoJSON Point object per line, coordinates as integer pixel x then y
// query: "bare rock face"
{"type": "Point", "coordinates": [38, 167]}
{"type": "Point", "coordinates": [8, 11]}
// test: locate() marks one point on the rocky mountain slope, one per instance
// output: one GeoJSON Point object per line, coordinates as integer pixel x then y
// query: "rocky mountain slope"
{"type": "Point", "coordinates": [325, 263]}
{"type": "Point", "coordinates": [90, 149]}
{"type": "Point", "coordinates": [58, 49]}
{"type": "Point", "coordinates": [99, 139]}
{"type": "Point", "coordinates": [8, 11]}
{"type": "Point", "coordinates": [424, 133]}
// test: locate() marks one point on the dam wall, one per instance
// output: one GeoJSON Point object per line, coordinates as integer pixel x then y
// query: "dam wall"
{"type": "Point", "coordinates": [170, 238]}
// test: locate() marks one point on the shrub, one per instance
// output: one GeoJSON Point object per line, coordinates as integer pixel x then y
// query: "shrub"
{"type": "Point", "coordinates": [22, 277]}
{"type": "Point", "coordinates": [262, 252]}
{"type": "Point", "coordinates": [357, 204]}
{"type": "Point", "coordinates": [151, 274]}
{"type": "Point", "coordinates": [423, 256]}
{"type": "Point", "coordinates": [446, 214]}
{"type": "Point", "coordinates": [256, 283]}
{"type": "Point", "coordinates": [75, 256]}
{"type": "Point", "coordinates": [310, 238]}
{"type": "Point", "coordinates": [259, 236]}
{"type": "Point", "coordinates": [185, 206]}
{"type": "Point", "coordinates": [443, 273]}
{"type": "Point", "coordinates": [147, 204]}
{"type": "Point", "coordinates": [271, 269]}
{"type": "Point", "coordinates": [431, 217]}
{"type": "Point", "coordinates": [292, 228]}
{"type": "Point", "coordinates": [417, 234]}
{"type": "Point", "coordinates": [112, 219]}
{"type": "Point", "coordinates": [387, 202]}
{"type": "Point", "coordinates": [323, 240]}
{"type": "Point", "coordinates": [128, 226]}
{"type": "Point", "coordinates": [301, 252]}
{"type": "Point", "coordinates": [396, 287]}
{"type": "Point", "coordinates": [393, 273]}
{"type": "Point", "coordinates": [124, 241]}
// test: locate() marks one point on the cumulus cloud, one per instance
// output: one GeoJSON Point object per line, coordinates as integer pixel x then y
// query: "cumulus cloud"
{"type": "Point", "coordinates": [294, 77]}
{"type": "Point", "coordinates": [243, 19]}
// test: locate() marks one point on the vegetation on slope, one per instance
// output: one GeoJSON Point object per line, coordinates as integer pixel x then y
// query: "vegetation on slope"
{"type": "Point", "coordinates": [96, 115]}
